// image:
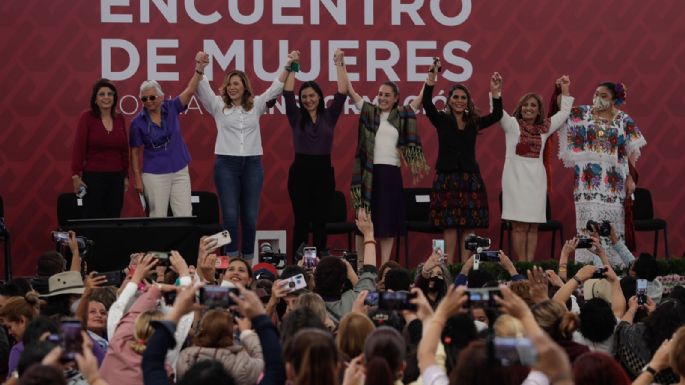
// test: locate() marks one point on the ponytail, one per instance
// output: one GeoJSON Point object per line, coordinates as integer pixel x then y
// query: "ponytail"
{"type": "Point", "coordinates": [378, 372]}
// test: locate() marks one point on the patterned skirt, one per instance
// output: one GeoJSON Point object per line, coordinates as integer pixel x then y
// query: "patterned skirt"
{"type": "Point", "coordinates": [459, 199]}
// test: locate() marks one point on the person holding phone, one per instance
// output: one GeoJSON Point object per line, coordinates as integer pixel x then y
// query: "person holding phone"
{"type": "Point", "coordinates": [238, 171]}
{"type": "Point", "coordinates": [524, 179]}
{"type": "Point", "coordinates": [459, 199]}
{"type": "Point", "coordinates": [311, 178]}
{"type": "Point", "coordinates": [99, 159]}
{"type": "Point", "coordinates": [156, 135]}
{"type": "Point", "coordinates": [388, 133]}
{"type": "Point", "coordinates": [599, 142]}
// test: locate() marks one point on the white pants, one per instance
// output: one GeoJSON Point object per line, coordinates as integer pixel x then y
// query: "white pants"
{"type": "Point", "coordinates": [162, 189]}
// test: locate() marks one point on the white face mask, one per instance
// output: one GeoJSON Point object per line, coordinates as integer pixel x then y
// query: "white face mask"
{"type": "Point", "coordinates": [600, 104]}
{"type": "Point", "coordinates": [74, 306]}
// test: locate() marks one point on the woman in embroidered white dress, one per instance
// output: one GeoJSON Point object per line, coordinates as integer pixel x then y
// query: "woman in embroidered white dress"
{"type": "Point", "coordinates": [599, 141]}
{"type": "Point", "coordinates": [524, 180]}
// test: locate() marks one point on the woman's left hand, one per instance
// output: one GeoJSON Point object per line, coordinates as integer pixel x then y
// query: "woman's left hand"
{"type": "Point", "coordinates": [293, 56]}
{"type": "Point", "coordinates": [496, 85]}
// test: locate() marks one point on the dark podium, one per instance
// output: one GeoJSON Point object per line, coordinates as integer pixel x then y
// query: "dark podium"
{"type": "Point", "coordinates": [115, 239]}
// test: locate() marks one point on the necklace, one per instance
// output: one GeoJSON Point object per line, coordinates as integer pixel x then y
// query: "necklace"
{"type": "Point", "coordinates": [108, 124]}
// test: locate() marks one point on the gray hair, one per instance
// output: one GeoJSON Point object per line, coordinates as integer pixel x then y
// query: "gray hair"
{"type": "Point", "coordinates": [148, 84]}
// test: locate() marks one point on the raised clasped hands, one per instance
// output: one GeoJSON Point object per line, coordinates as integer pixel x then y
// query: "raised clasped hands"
{"type": "Point", "coordinates": [496, 85]}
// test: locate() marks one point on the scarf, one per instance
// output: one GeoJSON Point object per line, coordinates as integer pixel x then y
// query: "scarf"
{"type": "Point", "coordinates": [404, 120]}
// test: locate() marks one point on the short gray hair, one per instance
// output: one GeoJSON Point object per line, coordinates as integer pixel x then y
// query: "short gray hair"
{"type": "Point", "coordinates": [151, 84]}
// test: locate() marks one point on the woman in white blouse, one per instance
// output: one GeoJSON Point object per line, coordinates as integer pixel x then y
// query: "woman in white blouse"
{"type": "Point", "coordinates": [238, 171]}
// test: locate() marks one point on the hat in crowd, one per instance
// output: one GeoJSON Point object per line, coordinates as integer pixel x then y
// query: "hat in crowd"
{"type": "Point", "coordinates": [68, 282]}
{"type": "Point", "coordinates": [265, 270]}
{"type": "Point", "coordinates": [597, 288]}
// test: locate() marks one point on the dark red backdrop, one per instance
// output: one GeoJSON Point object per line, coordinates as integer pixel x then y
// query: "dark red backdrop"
{"type": "Point", "coordinates": [52, 54]}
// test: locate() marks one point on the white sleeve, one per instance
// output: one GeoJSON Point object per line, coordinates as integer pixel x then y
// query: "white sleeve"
{"type": "Point", "coordinates": [558, 119]}
{"type": "Point", "coordinates": [116, 311]}
{"type": "Point", "coordinates": [182, 330]}
{"type": "Point", "coordinates": [211, 102]}
{"type": "Point", "coordinates": [434, 375]}
{"type": "Point", "coordinates": [274, 90]}
{"type": "Point", "coordinates": [508, 122]}
{"type": "Point", "coordinates": [536, 378]}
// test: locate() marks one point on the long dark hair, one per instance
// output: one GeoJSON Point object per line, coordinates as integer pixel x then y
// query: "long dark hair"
{"type": "Point", "coordinates": [93, 95]}
{"type": "Point", "coordinates": [471, 114]}
{"type": "Point", "coordinates": [304, 114]}
{"type": "Point", "coordinates": [314, 357]}
{"type": "Point", "coordinates": [384, 352]}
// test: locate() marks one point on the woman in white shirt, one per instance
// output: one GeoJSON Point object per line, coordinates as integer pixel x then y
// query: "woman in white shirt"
{"type": "Point", "coordinates": [238, 171]}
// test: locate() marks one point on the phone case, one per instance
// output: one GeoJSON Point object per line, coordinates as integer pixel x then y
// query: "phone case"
{"type": "Point", "coordinates": [222, 238]}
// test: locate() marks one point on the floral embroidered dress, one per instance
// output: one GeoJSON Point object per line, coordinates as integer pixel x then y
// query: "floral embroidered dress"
{"type": "Point", "coordinates": [599, 150]}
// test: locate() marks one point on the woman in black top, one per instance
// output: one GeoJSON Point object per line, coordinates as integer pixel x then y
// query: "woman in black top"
{"type": "Point", "coordinates": [459, 199]}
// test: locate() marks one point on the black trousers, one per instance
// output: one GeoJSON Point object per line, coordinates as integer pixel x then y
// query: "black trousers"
{"type": "Point", "coordinates": [104, 194]}
{"type": "Point", "coordinates": [311, 183]}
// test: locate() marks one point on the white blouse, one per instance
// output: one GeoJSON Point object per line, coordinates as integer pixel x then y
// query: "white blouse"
{"type": "Point", "coordinates": [238, 130]}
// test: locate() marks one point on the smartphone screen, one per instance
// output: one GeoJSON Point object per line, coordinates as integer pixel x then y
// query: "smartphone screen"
{"type": "Point", "coordinates": [484, 298]}
{"type": "Point", "coordinates": [641, 292]}
{"type": "Point", "coordinates": [309, 257]}
{"type": "Point", "coordinates": [515, 351]}
{"type": "Point", "coordinates": [396, 300]}
{"type": "Point", "coordinates": [439, 246]}
{"type": "Point", "coordinates": [371, 299]}
{"type": "Point", "coordinates": [217, 296]}
{"type": "Point", "coordinates": [72, 341]}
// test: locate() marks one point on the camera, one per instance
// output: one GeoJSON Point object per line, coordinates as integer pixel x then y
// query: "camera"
{"type": "Point", "coordinates": [584, 243]}
{"type": "Point", "coordinates": [602, 228]}
{"type": "Point", "coordinates": [474, 242]}
{"type": "Point", "coordinates": [294, 283]}
{"type": "Point", "coordinates": [61, 238]}
{"type": "Point", "coordinates": [267, 254]}
{"type": "Point", "coordinates": [600, 273]}
{"type": "Point", "coordinates": [396, 300]}
{"type": "Point", "coordinates": [217, 296]}
{"type": "Point", "coordinates": [641, 292]}
{"type": "Point", "coordinates": [489, 256]}
{"type": "Point", "coordinates": [220, 239]}
{"type": "Point", "coordinates": [484, 298]}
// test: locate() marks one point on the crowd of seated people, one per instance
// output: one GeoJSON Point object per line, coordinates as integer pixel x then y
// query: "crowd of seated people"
{"type": "Point", "coordinates": [168, 322]}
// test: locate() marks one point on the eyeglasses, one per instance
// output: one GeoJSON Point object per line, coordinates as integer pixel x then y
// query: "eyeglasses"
{"type": "Point", "coordinates": [152, 98]}
{"type": "Point", "coordinates": [103, 94]}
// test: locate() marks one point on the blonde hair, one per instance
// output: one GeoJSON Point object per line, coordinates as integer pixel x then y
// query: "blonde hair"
{"type": "Point", "coordinates": [17, 307]}
{"type": "Point", "coordinates": [508, 326]}
{"type": "Point", "coordinates": [246, 99]}
{"type": "Point", "coordinates": [352, 333]}
{"type": "Point", "coordinates": [314, 302]}
{"type": "Point", "coordinates": [555, 319]}
{"type": "Point", "coordinates": [142, 329]}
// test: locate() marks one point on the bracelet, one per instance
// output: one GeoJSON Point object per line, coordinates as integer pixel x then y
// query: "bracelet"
{"type": "Point", "coordinates": [575, 278]}
{"type": "Point", "coordinates": [287, 68]}
{"type": "Point", "coordinates": [439, 322]}
{"type": "Point", "coordinates": [369, 241]}
{"type": "Point", "coordinates": [563, 268]}
{"type": "Point", "coordinates": [199, 72]}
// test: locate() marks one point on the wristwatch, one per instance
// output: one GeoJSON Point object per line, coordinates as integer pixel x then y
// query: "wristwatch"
{"type": "Point", "coordinates": [649, 369]}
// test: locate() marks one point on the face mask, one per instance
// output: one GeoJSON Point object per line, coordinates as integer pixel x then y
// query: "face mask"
{"type": "Point", "coordinates": [74, 306]}
{"type": "Point", "coordinates": [600, 104]}
{"type": "Point", "coordinates": [436, 284]}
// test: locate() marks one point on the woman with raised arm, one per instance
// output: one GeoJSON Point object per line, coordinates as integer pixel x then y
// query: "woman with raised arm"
{"type": "Point", "coordinates": [459, 199]}
{"type": "Point", "coordinates": [599, 141]}
{"type": "Point", "coordinates": [524, 179]}
{"type": "Point", "coordinates": [311, 179]}
{"type": "Point", "coordinates": [99, 161]}
{"type": "Point", "coordinates": [387, 133]}
{"type": "Point", "coordinates": [156, 134]}
{"type": "Point", "coordinates": [238, 171]}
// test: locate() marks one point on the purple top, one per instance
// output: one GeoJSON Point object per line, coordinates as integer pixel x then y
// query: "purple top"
{"type": "Point", "coordinates": [165, 151]}
{"type": "Point", "coordinates": [313, 138]}
{"type": "Point", "coordinates": [18, 348]}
